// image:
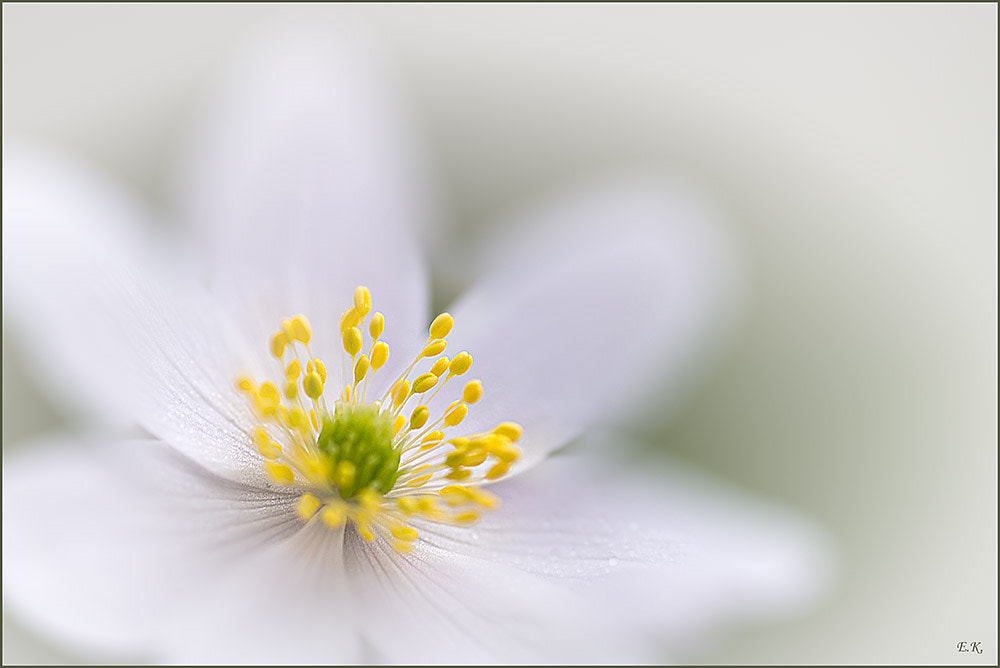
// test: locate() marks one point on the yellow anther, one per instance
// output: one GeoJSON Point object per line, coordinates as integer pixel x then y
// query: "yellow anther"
{"type": "Point", "coordinates": [511, 430]}
{"type": "Point", "coordinates": [361, 369]}
{"type": "Point", "coordinates": [344, 475]}
{"type": "Point", "coordinates": [376, 325]}
{"type": "Point", "coordinates": [315, 469]}
{"type": "Point", "coordinates": [431, 440]}
{"type": "Point", "coordinates": [319, 368]}
{"type": "Point", "coordinates": [403, 532]}
{"type": "Point", "coordinates": [362, 300]}
{"type": "Point", "coordinates": [419, 481]}
{"type": "Point", "coordinates": [264, 443]}
{"type": "Point", "coordinates": [245, 384]}
{"type": "Point", "coordinates": [298, 329]}
{"type": "Point", "coordinates": [380, 353]}
{"type": "Point", "coordinates": [441, 326]}
{"type": "Point", "coordinates": [297, 418]}
{"type": "Point", "coordinates": [278, 343]}
{"type": "Point", "coordinates": [293, 369]}
{"type": "Point", "coordinates": [460, 490]}
{"type": "Point", "coordinates": [291, 389]}
{"type": "Point", "coordinates": [472, 392]}
{"type": "Point", "coordinates": [474, 458]}
{"type": "Point", "coordinates": [460, 364]}
{"type": "Point", "coordinates": [332, 515]}
{"type": "Point", "coordinates": [366, 532]}
{"type": "Point", "coordinates": [352, 341]}
{"type": "Point", "coordinates": [456, 415]}
{"type": "Point", "coordinates": [401, 393]}
{"type": "Point", "coordinates": [503, 449]}
{"type": "Point", "coordinates": [484, 498]}
{"type": "Point", "coordinates": [283, 414]}
{"type": "Point", "coordinates": [467, 517]}
{"type": "Point", "coordinates": [402, 547]}
{"type": "Point", "coordinates": [455, 458]}
{"type": "Point", "coordinates": [408, 504]}
{"type": "Point", "coordinates": [313, 385]}
{"type": "Point", "coordinates": [440, 366]}
{"type": "Point", "coordinates": [306, 507]}
{"type": "Point", "coordinates": [270, 449]}
{"type": "Point", "coordinates": [459, 474]}
{"type": "Point", "coordinates": [453, 498]}
{"type": "Point", "coordinates": [435, 348]}
{"type": "Point", "coordinates": [499, 469]}
{"type": "Point", "coordinates": [419, 417]}
{"type": "Point", "coordinates": [491, 441]}
{"type": "Point", "coordinates": [428, 504]}
{"type": "Point", "coordinates": [370, 500]}
{"type": "Point", "coordinates": [424, 382]}
{"type": "Point", "coordinates": [349, 318]}
{"type": "Point", "coordinates": [397, 424]}
{"type": "Point", "coordinates": [279, 473]}
{"type": "Point", "coordinates": [269, 393]}
{"type": "Point", "coordinates": [259, 436]}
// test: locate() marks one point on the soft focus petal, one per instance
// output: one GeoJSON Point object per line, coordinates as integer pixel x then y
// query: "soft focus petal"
{"type": "Point", "coordinates": [287, 604]}
{"type": "Point", "coordinates": [109, 327]}
{"type": "Point", "coordinates": [115, 548]}
{"type": "Point", "coordinates": [303, 181]}
{"type": "Point", "coordinates": [436, 606]}
{"type": "Point", "coordinates": [671, 553]}
{"type": "Point", "coordinates": [588, 305]}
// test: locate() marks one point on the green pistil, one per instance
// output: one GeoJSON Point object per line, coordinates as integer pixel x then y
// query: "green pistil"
{"type": "Point", "coordinates": [361, 437]}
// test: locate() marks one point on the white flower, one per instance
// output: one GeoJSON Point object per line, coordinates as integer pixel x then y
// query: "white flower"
{"type": "Point", "coordinates": [234, 534]}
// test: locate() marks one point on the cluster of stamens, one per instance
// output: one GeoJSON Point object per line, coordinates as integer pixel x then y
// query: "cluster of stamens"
{"type": "Point", "coordinates": [378, 464]}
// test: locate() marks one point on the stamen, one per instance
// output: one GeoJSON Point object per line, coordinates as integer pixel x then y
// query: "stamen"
{"type": "Point", "coordinates": [434, 348]}
{"type": "Point", "coordinates": [441, 326]}
{"type": "Point", "coordinates": [352, 341]}
{"type": "Point", "coordinates": [307, 506]}
{"type": "Point", "coordinates": [424, 383]}
{"type": "Point", "coordinates": [472, 392]}
{"type": "Point", "coordinates": [376, 326]}
{"type": "Point", "coordinates": [362, 300]}
{"type": "Point", "coordinates": [419, 417]}
{"type": "Point", "coordinates": [440, 366]}
{"type": "Point", "coordinates": [380, 353]}
{"type": "Point", "coordinates": [360, 369]}
{"type": "Point", "coordinates": [375, 465]}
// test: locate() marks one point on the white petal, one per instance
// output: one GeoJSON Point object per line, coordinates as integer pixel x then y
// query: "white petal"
{"type": "Point", "coordinates": [590, 303]}
{"type": "Point", "coordinates": [304, 183]}
{"type": "Point", "coordinates": [115, 548]}
{"type": "Point", "coordinates": [106, 325]}
{"type": "Point", "coordinates": [673, 553]}
{"type": "Point", "coordinates": [289, 604]}
{"type": "Point", "coordinates": [436, 606]}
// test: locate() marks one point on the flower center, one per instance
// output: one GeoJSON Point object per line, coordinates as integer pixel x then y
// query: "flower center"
{"type": "Point", "coordinates": [375, 464]}
{"type": "Point", "coordinates": [356, 446]}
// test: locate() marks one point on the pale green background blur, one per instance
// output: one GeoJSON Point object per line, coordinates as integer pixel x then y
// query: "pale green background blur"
{"type": "Point", "coordinates": [854, 148]}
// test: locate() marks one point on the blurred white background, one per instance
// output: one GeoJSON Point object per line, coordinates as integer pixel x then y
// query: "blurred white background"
{"type": "Point", "coordinates": [854, 149]}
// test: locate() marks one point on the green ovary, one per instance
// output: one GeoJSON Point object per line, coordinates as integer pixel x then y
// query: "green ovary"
{"type": "Point", "coordinates": [356, 442]}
